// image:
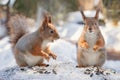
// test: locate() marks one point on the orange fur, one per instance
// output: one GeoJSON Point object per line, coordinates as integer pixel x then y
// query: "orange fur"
{"type": "Point", "coordinates": [37, 51]}
{"type": "Point", "coordinates": [99, 43]}
{"type": "Point", "coordinates": [82, 42]}
{"type": "Point", "coordinates": [50, 53]}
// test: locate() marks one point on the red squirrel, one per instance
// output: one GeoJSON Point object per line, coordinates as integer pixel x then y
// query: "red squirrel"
{"type": "Point", "coordinates": [30, 49]}
{"type": "Point", "coordinates": [91, 45]}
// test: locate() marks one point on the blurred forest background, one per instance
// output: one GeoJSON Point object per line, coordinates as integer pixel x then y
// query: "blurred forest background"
{"type": "Point", "coordinates": [59, 8]}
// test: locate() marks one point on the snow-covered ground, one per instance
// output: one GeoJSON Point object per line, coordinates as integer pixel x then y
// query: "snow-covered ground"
{"type": "Point", "coordinates": [64, 67]}
{"type": "Point", "coordinates": [61, 69]}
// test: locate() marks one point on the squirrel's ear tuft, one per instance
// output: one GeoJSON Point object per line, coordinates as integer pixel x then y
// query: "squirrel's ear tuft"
{"type": "Point", "coordinates": [45, 20]}
{"type": "Point", "coordinates": [97, 13]}
{"type": "Point", "coordinates": [82, 13]}
{"type": "Point", "coordinates": [49, 19]}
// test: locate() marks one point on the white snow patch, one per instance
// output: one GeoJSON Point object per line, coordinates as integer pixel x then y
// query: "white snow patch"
{"type": "Point", "coordinates": [3, 31]}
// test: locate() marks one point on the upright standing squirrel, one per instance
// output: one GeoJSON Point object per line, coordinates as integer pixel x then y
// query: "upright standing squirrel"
{"type": "Point", "coordinates": [30, 49]}
{"type": "Point", "coordinates": [91, 50]}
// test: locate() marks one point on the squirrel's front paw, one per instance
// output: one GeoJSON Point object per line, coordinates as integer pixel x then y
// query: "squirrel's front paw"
{"type": "Point", "coordinates": [53, 56]}
{"type": "Point", "coordinates": [47, 57]}
{"type": "Point", "coordinates": [95, 48]}
{"type": "Point", "coordinates": [85, 45]}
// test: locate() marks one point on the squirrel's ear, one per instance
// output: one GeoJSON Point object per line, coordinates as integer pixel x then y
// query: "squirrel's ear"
{"type": "Point", "coordinates": [97, 13]}
{"type": "Point", "coordinates": [45, 20]}
{"type": "Point", "coordinates": [82, 13]}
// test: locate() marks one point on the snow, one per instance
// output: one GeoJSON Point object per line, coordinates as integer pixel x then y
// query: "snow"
{"type": "Point", "coordinates": [3, 31]}
{"type": "Point", "coordinates": [4, 2]}
{"type": "Point", "coordinates": [6, 56]}
{"type": "Point", "coordinates": [64, 68]}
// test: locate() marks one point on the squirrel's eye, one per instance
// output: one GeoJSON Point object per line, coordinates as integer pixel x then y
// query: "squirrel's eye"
{"type": "Point", "coordinates": [51, 31]}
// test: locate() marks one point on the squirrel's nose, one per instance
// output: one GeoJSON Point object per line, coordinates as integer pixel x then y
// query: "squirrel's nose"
{"type": "Point", "coordinates": [58, 37]}
{"type": "Point", "coordinates": [90, 29]}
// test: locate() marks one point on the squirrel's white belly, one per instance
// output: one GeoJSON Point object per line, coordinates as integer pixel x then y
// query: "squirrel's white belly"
{"type": "Point", "coordinates": [32, 60]}
{"type": "Point", "coordinates": [91, 57]}
{"type": "Point", "coordinates": [91, 39]}
{"type": "Point", "coordinates": [45, 44]}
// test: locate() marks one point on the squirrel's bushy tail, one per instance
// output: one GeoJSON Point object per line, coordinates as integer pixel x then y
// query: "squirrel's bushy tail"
{"type": "Point", "coordinates": [17, 28]}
